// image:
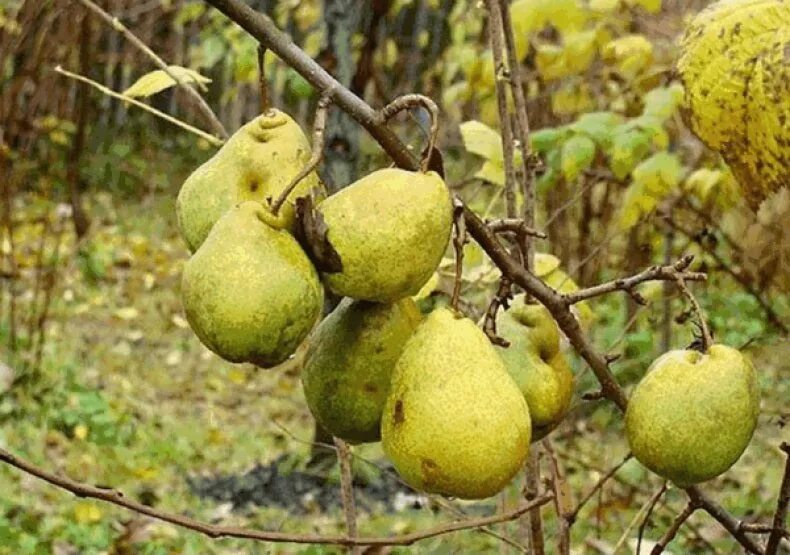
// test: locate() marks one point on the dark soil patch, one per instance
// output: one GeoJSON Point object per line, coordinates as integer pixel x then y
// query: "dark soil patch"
{"type": "Point", "coordinates": [274, 484]}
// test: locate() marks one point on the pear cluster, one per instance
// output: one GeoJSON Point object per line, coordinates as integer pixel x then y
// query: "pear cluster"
{"type": "Point", "coordinates": [455, 414]}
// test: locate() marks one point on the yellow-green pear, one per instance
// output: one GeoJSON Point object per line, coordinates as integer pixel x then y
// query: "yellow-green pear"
{"type": "Point", "coordinates": [249, 292]}
{"type": "Point", "coordinates": [257, 163]}
{"type": "Point", "coordinates": [349, 362]}
{"type": "Point", "coordinates": [454, 422]}
{"type": "Point", "coordinates": [390, 230]}
{"type": "Point", "coordinates": [693, 414]}
{"type": "Point", "coordinates": [536, 363]}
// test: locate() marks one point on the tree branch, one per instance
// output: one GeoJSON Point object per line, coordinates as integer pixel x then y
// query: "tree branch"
{"type": "Point", "coordinates": [673, 530]}
{"type": "Point", "coordinates": [213, 531]}
{"type": "Point", "coordinates": [116, 24]}
{"type": "Point", "coordinates": [780, 516]}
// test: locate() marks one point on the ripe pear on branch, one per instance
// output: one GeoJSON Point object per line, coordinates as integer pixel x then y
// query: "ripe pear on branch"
{"type": "Point", "coordinates": [389, 230]}
{"type": "Point", "coordinates": [349, 363]}
{"type": "Point", "coordinates": [454, 422]}
{"type": "Point", "coordinates": [693, 414]}
{"type": "Point", "coordinates": [536, 363]}
{"type": "Point", "coordinates": [249, 292]}
{"type": "Point", "coordinates": [257, 163]}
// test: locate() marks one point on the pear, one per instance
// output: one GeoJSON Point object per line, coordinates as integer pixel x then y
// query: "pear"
{"type": "Point", "coordinates": [257, 163]}
{"type": "Point", "coordinates": [249, 292]}
{"type": "Point", "coordinates": [454, 422]}
{"type": "Point", "coordinates": [349, 362]}
{"type": "Point", "coordinates": [547, 267]}
{"type": "Point", "coordinates": [390, 230]}
{"type": "Point", "coordinates": [693, 414]}
{"type": "Point", "coordinates": [536, 363]}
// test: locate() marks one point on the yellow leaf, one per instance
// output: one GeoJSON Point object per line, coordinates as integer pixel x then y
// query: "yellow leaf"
{"type": "Point", "coordinates": [572, 99]}
{"type": "Point", "coordinates": [651, 6]}
{"type": "Point", "coordinates": [127, 313]}
{"type": "Point", "coordinates": [87, 512]}
{"type": "Point", "coordinates": [80, 431]}
{"type": "Point", "coordinates": [428, 288]}
{"type": "Point", "coordinates": [545, 264]}
{"type": "Point", "coordinates": [157, 81]}
{"type": "Point", "coordinates": [492, 172]}
{"type": "Point", "coordinates": [604, 6]}
{"type": "Point", "coordinates": [179, 321]}
{"type": "Point", "coordinates": [630, 54]}
{"type": "Point", "coordinates": [237, 375]}
{"type": "Point", "coordinates": [480, 139]}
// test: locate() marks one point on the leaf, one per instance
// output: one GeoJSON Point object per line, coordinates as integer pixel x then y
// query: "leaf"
{"type": "Point", "coordinates": [545, 263]}
{"type": "Point", "coordinates": [630, 54]}
{"type": "Point", "coordinates": [545, 139]}
{"type": "Point", "coordinates": [87, 512]}
{"type": "Point", "coordinates": [492, 172]}
{"type": "Point", "coordinates": [650, 6]}
{"type": "Point", "coordinates": [157, 81]}
{"type": "Point", "coordinates": [572, 58]}
{"type": "Point", "coordinates": [628, 148]}
{"type": "Point", "coordinates": [127, 313]}
{"type": "Point", "coordinates": [571, 99]}
{"type": "Point", "coordinates": [599, 126]}
{"type": "Point", "coordinates": [653, 180]}
{"type": "Point", "coordinates": [480, 139]}
{"type": "Point", "coordinates": [552, 172]}
{"type": "Point", "coordinates": [662, 102]}
{"type": "Point", "coordinates": [578, 153]}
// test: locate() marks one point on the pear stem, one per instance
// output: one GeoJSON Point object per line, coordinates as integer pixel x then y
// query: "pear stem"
{"type": "Point", "coordinates": [406, 102]}
{"type": "Point", "coordinates": [707, 339]}
{"type": "Point", "coordinates": [319, 126]}
{"type": "Point", "coordinates": [263, 84]}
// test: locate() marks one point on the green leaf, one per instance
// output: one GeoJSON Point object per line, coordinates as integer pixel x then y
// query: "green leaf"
{"type": "Point", "coordinates": [482, 140]}
{"type": "Point", "coordinates": [599, 126]}
{"type": "Point", "coordinates": [651, 6]}
{"type": "Point", "coordinates": [157, 81]}
{"type": "Point", "coordinates": [628, 148]}
{"type": "Point", "coordinates": [545, 139]}
{"type": "Point", "coordinates": [578, 153]}
{"type": "Point", "coordinates": [493, 172]}
{"type": "Point", "coordinates": [552, 172]}
{"type": "Point", "coordinates": [662, 102]}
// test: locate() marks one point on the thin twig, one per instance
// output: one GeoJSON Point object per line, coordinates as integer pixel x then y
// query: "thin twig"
{"type": "Point", "coordinates": [496, 41]}
{"type": "Point", "coordinates": [514, 225]}
{"type": "Point", "coordinates": [319, 126]}
{"type": "Point", "coordinates": [213, 531]}
{"type": "Point", "coordinates": [671, 272]}
{"type": "Point", "coordinates": [501, 299]}
{"type": "Point", "coordinates": [528, 159]}
{"type": "Point", "coordinates": [728, 522]}
{"type": "Point", "coordinates": [707, 340]}
{"type": "Point", "coordinates": [167, 117]}
{"type": "Point", "coordinates": [459, 240]}
{"type": "Point", "coordinates": [571, 517]}
{"type": "Point", "coordinates": [531, 485]}
{"type": "Point", "coordinates": [780, 516]}
{"type": "Point", "coordinates": [347, 487]}
{"type": "Point", "coordinates": [116, 24]}
{"type": "Point", "coordinates": [648, 514]}
{"type": "Point", "coordinates": [670, 534]}
{"type": "Point", "coordinates": [408, 101]}
{"type": "Point", "coordinates": [562, 501]}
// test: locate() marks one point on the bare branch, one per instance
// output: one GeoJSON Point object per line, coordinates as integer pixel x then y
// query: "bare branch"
{"type": "Point", "coordinates": [408, 101]}
{"type": "Point", "coordinates": [673, 530]}
{"type": "Point", "coordinates": [213, 531]}
{"type": "Point", "coordinates": [264, 102]}
{"type": "Point", "coordinates": [116, 24]}
{"type": "Point", "coordinates": [671, 272]}
{"type": "Point", "coordinates": [347, 487]}
{"type": "Point", "coordinates": [646, 520]}
{"type": "Point", "coordinates": [167, 117]}
{"type": "Point", "coordinates": [503, 296]}
{"type": "Point", "coordinates": [571, 517]}
{"type": "Point", "coordinates": [780, 516]}
{"type": "Point", "coordinates": [561, 501]}
{"type": "Point", "coordinates": [514, 225]}
{"type": "Point", "coordinates": [730, 523]}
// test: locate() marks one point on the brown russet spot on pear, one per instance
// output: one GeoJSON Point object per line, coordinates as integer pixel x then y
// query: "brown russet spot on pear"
{"type": "Point", "coordinates": [257, 163]}
{"type": "Point", "coordinates": [249, 292]}
{"type": "Point", "coordinates": [455, 422]}
{"type": "Point", "coordinates": [693, 414]}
